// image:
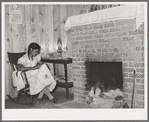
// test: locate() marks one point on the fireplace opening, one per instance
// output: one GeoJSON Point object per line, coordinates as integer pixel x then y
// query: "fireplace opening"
{"type": "Point", "coordinates": [104, 75]}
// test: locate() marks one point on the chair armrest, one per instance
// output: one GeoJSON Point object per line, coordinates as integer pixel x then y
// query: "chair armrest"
{"type": "Point", "coordinates": [59, 77]}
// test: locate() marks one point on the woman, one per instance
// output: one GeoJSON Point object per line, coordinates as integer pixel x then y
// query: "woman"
{"type": "Point", "coordinates": [39, 76]}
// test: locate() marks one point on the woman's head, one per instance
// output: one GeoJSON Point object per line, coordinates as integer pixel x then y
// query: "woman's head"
{"type": "Point", "coordinates": [33, 49]}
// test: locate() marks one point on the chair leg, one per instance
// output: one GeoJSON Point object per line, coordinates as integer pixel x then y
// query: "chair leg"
{"type": "Point", "coordinates": [31, 99]}
{"type": "Point", "coordinates": [67, 93]}
{"type": "Point", "coordinates": [18, 97]}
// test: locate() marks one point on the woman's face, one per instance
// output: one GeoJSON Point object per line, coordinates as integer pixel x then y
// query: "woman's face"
{"type": "Point", "coordinates": [35, 52]}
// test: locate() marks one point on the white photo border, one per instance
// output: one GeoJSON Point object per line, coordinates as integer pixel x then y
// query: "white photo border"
{"type": "Point", "coordinates": [74, 114]}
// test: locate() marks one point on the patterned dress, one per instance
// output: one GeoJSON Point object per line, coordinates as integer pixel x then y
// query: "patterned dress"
{"type": "Point", "coordinates": [39, 78]}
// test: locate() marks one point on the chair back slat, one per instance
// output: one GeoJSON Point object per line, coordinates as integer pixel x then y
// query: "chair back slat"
{"type": "Point", "coordinates": [12, 67]}
{"type": "Point", "coordinates": [13, 59]}
{"type": "Point", "coordinates": [15, 67]}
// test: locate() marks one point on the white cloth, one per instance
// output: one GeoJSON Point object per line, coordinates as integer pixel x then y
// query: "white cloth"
{"type": "Point", "coordinates": [91, 93]}
{"type": "Point", "coordinates": [113, 93]}
{"type": "Point", "coordinates": [97, 92]}
{"type": "Point", "coordinates": [39, 79]}
{"type": "Point", "coordinates": [130, 11]}
{"type": "Point", "coordinates": [17, 80]}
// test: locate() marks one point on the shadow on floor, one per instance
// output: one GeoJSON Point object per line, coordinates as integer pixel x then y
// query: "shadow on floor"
{"type": "Point", "coordinates": [61, 95]}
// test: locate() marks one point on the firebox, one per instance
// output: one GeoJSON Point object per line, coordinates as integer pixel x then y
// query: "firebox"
{"type": "Point", "coordinates": [105, 75]}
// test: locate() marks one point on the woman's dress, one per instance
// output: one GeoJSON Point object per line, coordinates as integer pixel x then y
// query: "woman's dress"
{"type": "Point", "coordinates": [39, 78]}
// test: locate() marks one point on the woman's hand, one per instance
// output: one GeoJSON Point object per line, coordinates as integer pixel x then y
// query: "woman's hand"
{"type": "Point", "coordinates": [40, 62]}
{"type": "Point", "coordinates": [37, 66]}
{"type": "Point", "coordinates": [56, 78]}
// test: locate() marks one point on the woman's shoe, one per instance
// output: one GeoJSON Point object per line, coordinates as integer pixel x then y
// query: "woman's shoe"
{"type": "Point", "coordinates": [39, 101]}
{"type": "Point", "coordinates": [54, 100]}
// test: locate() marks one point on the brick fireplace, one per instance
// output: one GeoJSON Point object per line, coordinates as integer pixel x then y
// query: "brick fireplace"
{"type": "Point", "coordinates": [112, 41]}
{"type": "Point", "coordinates": [104, 75]}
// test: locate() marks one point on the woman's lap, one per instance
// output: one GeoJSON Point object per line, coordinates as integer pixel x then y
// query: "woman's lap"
{"type": "Point", "coordinates": [39, 79]}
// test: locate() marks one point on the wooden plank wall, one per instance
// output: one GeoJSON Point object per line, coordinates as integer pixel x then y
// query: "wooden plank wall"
{"type": "Point", "coordinates": [36, 27]}
{"type": "Point", "coordinates": [65, 12]}
{"type": "Point", "coordinates": [56, 26]}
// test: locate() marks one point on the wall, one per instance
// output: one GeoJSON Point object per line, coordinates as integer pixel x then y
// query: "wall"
{"type": "Point", "coordinates": [37, 26]}
{"type": "Point", "coordinates": [110, 41]}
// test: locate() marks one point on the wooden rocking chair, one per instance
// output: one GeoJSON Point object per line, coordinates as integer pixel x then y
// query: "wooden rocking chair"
{"type": "Point", "coordinates": [13, 59]}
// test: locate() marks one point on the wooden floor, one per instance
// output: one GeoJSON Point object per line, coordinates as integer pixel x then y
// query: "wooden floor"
{"type": "Point", "coordinates": [63, 102]}
{"type": "Point", "coordinates": [61, 95]}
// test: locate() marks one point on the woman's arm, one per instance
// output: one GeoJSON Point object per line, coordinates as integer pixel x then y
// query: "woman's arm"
{"type": "Point", "coordinates": [40, 62]}
{"type": "Point", "coordinates": [20, 67]}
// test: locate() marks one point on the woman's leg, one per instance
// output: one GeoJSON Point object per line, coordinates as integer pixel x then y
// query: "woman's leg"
{"type": "Point", "coordinates": [40, 94]}
{"type": "Point", "coordinates": [45, 91]}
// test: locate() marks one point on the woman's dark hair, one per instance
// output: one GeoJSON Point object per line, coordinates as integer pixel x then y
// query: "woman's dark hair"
{"type": "Point", "coordinates": [33, 46]}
